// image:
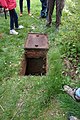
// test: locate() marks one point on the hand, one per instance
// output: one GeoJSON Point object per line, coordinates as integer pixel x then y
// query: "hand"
{"type": "Point", "coordinates": [6, 9]}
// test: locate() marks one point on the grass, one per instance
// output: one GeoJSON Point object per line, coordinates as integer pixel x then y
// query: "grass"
{"type": "Point", "coordinates": [37, 97]}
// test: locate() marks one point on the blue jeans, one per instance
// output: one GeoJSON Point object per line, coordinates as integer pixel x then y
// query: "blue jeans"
{"type": "Point", "coordinates": [21, 5]}
{"type": "Point", "coordinates": [44, 8]}
{"type": "Point", "coordinates": [13, 19]}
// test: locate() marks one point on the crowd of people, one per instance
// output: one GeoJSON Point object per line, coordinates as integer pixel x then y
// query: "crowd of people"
{"type": "Point", "coordinates": [47, 7]}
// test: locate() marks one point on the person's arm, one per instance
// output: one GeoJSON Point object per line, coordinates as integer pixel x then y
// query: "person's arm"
{"type": "Point", "coordinates": [3, 4]}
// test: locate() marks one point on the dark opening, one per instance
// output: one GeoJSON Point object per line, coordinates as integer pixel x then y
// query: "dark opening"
{"type": "Point", "coordinates": [33, 66]}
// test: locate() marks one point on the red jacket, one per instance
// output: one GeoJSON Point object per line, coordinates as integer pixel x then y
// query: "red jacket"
{"type": "Point", "coordinates": [10, 4]}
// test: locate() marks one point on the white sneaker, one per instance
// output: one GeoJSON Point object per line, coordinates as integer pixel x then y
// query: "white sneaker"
{"type": "Point", "coordinates": [20, 27]}
{"type": "Point", "coordinates": [13, 32]}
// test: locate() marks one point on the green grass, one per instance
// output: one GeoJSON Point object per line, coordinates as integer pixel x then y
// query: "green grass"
{"type": "Point", "coordinates": [37, 97]}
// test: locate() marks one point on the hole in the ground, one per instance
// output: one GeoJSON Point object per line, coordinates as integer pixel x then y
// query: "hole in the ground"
{"type": "Point", "coordinates": [35, 56]}
{"type": "Point", "coordinates": [33, 66]}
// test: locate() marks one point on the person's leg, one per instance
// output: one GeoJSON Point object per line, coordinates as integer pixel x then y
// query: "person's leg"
{"type": "Point", "coordinates": [59, 8]}
{"type": "Point", "coordinates": [74, 93]}
{"type": "Point", "coordinates": [15, 18]}
{"type": "Point", "coordinates": [77, 94]}
{"type": "Point", "coordinates": [50, 9]}
{"type": "Point", "coordinates": [21, 7]}
{"type": "Point", "coordinates": [28, 6]}
{"type": "Point", "coordinates": [16, 21]}
{"type": "Point", "coordinates": [70, 91]}
{"type": "Point", "coordinates": [12, 21]}
{"type": "Point", "coordinates": [44, 8]}
{"type": "Point", "coordinates": [58, 13]}
{"type": "Point", "coordinates": [62, 6]}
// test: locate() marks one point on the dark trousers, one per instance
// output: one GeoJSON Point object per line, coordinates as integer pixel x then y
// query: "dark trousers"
{"type": "Point", "coordinates": [59, 8]}
{"type": "Point", "coordinates": [21, 5]}
{"type": "Point", "coordinates": [13, 19]}
{"type": "Point", "coordinates": [44, 8]}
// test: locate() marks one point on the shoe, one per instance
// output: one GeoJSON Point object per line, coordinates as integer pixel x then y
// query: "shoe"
{"type": "Point", "coordinates": [48, 24]}
{"type": "Point", "coordinates": [57, 29]}
{"type": "Point", "coordinates": [13, 32]}
{"type": "Point", "coordinates": [20, 27]}
{"type": "Point", "coordinates": [70, 91]}
{"type": "Point", "coordinates": [20, 15]}
{"type": "Point", "coordinates": [29, 13]}
{"type": "Point", "coordinates": [73, 118]}
{"type": "Point", "coordinates": [42, 17]}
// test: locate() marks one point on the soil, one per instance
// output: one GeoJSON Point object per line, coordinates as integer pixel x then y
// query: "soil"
{"type": "Point", "coordinates": [71, 67]}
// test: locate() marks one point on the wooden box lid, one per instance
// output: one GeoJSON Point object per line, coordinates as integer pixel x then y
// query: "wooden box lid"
{"type": "Point", "coordinates": [36, 41]}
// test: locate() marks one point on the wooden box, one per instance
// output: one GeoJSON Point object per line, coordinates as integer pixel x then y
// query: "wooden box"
{"type": "Point", "coordinates": [36, 48]}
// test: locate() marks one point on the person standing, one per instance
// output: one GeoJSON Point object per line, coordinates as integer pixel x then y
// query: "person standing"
{"type": "Point", "coordinates": [59, 8]}
{"type": "Point", "coordinates": [11, 5]}
{"type": "Point", "coordinates": [21, 6]}
{"type": "Point", "coordinates": [43, 12]}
